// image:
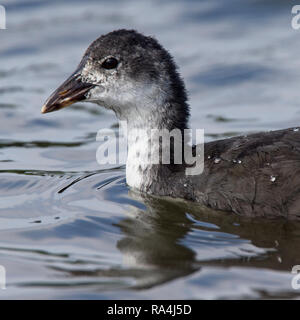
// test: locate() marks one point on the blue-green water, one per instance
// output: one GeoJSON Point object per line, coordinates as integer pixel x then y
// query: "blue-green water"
{"type": "Point", "coordinates": [70, 228]}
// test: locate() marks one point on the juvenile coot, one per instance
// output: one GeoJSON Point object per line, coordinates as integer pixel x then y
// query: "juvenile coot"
{"type": "Point", "coordinates": [133, 75]}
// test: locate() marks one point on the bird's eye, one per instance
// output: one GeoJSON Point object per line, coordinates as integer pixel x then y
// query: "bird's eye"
{"type": "Point", "coordinates": [110, 63]}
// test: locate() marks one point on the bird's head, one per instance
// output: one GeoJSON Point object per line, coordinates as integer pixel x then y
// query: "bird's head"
{"type": "Point", "coordinates": [124, 71]}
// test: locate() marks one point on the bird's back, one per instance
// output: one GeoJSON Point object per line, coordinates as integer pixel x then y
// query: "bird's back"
{"type": "Point", "coordinates": [254, 175]}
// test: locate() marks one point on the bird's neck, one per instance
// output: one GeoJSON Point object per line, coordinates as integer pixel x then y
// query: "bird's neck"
{"type": "Point", "coordinates": [146, 165]}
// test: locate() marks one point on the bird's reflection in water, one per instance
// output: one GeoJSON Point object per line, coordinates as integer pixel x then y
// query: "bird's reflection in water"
{"type": "Point", "coordinates": [153, 242]}
{"type": "Point", "coordinates": [162, 239]}
{"type": "Point", "coordinates": [151, 246]}
{"type": "Point", "coordinates": [173, 239]}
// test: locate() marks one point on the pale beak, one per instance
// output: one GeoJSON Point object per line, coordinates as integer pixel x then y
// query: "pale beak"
{"type": "Point", "coordinates": [71, 91]}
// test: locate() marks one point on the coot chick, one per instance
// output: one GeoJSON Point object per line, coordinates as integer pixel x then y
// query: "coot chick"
{"type": "Point", "coordinates": [256, 175]}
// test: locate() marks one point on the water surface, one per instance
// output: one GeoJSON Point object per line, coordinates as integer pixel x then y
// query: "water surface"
{"type": "Point", "coordinates": [70, 228]}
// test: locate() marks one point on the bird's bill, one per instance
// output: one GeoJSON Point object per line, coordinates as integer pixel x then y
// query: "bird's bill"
{"type": "Point", "coordinates": [71, 91]}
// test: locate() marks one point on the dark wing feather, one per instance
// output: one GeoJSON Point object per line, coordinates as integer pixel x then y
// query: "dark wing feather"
{"type": "Point", "coordinates": [258, 175]}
